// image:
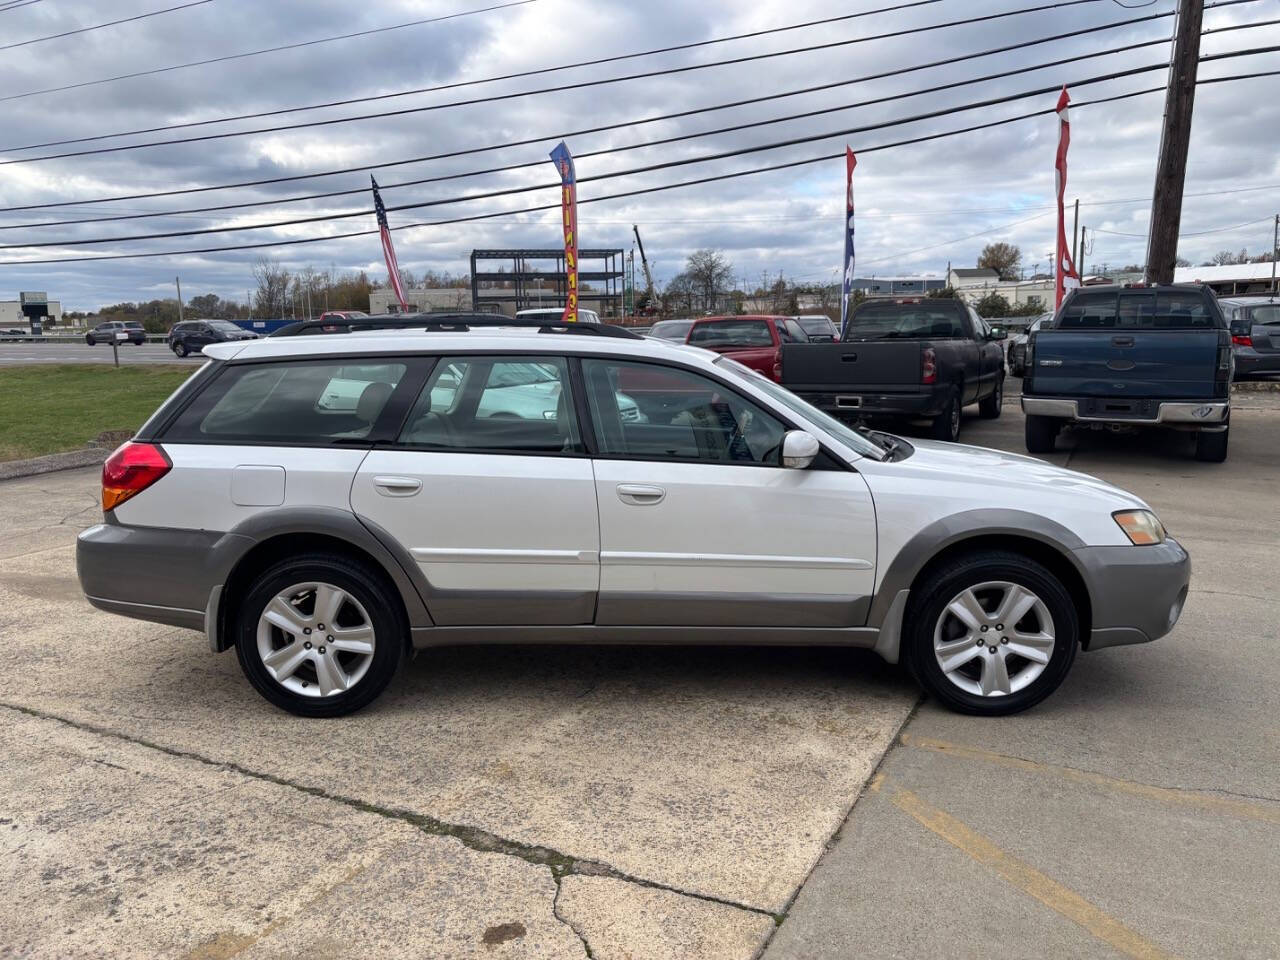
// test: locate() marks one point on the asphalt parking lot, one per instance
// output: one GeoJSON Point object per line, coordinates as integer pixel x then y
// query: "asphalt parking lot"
{"type": "Point", "coordinates": [25, 354]}
{"type": "Point", "coordinates": [653, 802]}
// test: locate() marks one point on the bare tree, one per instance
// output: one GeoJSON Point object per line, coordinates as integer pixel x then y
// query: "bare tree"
{"type": "Point", "coordinates": [710, 274]}
{"type": "Point", "coordinates": [273, 280]}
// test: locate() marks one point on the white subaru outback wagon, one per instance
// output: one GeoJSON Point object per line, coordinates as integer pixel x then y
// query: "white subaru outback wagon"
{"type": "Point", "coordinates": [324, 504]}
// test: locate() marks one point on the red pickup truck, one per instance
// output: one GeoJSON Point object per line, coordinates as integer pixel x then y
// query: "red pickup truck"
{"type": "Point", "coordinates": [754, 341]}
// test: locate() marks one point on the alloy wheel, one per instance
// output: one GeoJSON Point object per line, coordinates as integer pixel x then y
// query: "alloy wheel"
{"type": "Point", "coordinates": [315, 639]}
{"type": "Point", "coordinates": [994, 638]}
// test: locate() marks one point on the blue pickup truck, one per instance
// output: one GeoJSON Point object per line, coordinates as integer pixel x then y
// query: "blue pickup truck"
{"type": "Point", "coordinates": [1120, 357]}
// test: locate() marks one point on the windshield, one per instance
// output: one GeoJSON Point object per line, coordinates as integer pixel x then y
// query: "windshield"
{"type": "Point", "coordinates": [842, 432]}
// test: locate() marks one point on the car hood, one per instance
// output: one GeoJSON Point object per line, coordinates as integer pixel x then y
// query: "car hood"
{"type": "Point", "coordinates": [1009, 477]}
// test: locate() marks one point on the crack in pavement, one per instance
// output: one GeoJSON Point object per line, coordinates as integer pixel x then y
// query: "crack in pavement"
{"type": "Point", "coordinates": [555, 912]}
{"type": "Point", "coordinates": [474, 838]}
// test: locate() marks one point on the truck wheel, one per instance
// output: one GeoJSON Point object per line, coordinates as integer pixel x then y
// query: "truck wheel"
{"type": "Point", "coordinates": [946, 426]}
{"type": "Point", "coordinates": [991, 633]}
{"type": "Point", "coordinates": [1041, 433]}
{"type": "Point", "coordinates": [1212, 447]}
{"type": "Point", "coordinates": [990, 407]}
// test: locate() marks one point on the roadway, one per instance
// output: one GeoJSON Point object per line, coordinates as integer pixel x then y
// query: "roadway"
{"type": "Point", "coordinates": [27, 354]}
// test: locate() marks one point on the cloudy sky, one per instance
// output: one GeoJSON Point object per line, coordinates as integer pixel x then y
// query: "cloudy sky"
{"type": "Point", "coordinates": [919, 206]}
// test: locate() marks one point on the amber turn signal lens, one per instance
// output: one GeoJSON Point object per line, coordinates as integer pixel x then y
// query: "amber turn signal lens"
{"type": "Point", "coordinates": [1142, 527]}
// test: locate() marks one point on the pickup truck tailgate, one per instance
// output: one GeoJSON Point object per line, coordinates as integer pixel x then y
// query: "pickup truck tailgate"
{"type": "Point", "coordinates": [822, 366]}
{"type": "Point", "coordinates": [1152, 364]}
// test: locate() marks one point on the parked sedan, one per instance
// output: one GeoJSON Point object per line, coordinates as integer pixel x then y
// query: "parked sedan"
{"type": "Point", "coordinates": [111, 330]}
{"type": "Point", "coordinates": [192, 336]}
{"type": "Point", "coordinates": [1017, 353]}
{"type": "Point", "coordinates": [1255, 334]}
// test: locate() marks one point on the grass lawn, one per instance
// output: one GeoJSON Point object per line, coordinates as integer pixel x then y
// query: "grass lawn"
{"type": "Point", "coordinates": [48, 409]}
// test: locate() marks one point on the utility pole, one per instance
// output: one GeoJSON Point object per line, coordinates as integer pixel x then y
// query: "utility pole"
{"type": "Point", "coordinates": [178, 282]}
{"type": "Point", "coordinates": [1080, 262]}
{"type": "Point", "coordinates": [1075, 237]}
{"type": "Point", "coordinates": [1275, 251]}
{"type": "Point", "coordinates": [1166, 202]}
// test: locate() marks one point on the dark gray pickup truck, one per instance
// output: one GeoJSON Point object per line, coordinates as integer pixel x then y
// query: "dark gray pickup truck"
{"type": "Point", "coordinates": [917, 359]}
{"type": "Point", "coordinates": [1122, 357]}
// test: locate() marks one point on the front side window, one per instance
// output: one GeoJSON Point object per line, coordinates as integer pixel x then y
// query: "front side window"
{"type": "Point", "coordinates": [680, 415]}
{"type": "Point", "coordinates": [296, 402]}
{"type": "Point", "coordinates": [496, 404]}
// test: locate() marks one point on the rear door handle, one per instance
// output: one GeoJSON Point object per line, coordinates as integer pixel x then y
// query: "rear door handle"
{"type": "Point", "coordinates": [641, 494]}
{"type": "Point", "coordinates": [397, 486]}
{"type": "Point", "coordinates": [1122, 341]}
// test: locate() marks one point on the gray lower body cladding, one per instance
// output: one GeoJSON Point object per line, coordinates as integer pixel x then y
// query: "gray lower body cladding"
{"type": "Point", "coordinates": [1137, 592]}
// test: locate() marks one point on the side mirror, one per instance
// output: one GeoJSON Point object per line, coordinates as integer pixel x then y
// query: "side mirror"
{"type": "Point", "coordinates": [799, 449]}
{"type": "Point", "coordinates": [998, 333]}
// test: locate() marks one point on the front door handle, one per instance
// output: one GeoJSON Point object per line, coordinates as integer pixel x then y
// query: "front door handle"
{"type": "Point", "coordinates": [1122, 341]}
{"type": "Point", "coordinates": [397, 486]}
{"type": "Point", "coordinates": [641, 494]}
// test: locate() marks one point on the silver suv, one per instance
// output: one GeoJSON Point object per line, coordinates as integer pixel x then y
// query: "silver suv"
{"type": "Point", "coordinates": [323, 504]}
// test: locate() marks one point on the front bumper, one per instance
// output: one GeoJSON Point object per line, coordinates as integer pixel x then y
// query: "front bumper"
{"type": "Point", "coordinates": [1209, 412]}
{"type": "Point", "coordinates": [154, 573]}
{"type": "Point", "coordinates": [1137, 593]}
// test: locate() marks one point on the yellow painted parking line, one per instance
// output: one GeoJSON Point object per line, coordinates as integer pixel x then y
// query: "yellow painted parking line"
{"type": "Point", "coordinates": [1028, 879]}
{"type": "Point", "coordinates": [1170, 795]}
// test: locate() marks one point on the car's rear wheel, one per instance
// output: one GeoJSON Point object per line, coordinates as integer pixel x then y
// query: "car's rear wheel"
{"type": "Point", "coordinates": [1212, 447]}
{"type": "Point", "coordinates": [1041, 433]}
{"type": "Point", "coordinates": [320, 636]}
{"type": "Point", "coordinates": [990, 407]}
{"type": "Point", "coordinates": [993, 632]}
{"type": "Point", "coordinates": [946, 426]}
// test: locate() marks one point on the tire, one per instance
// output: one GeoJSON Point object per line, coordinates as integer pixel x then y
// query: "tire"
{"type": "Point", "coordinates": [296, 682]}
{"type": "Point", "coordinates": [180, 348]}
{"type": "Point", "coordinates": [90, 340]}
{"type": "Point", "coordinates": [1211, 447]}
{"type": "Point", "coordinates": [1050, 628]}
{"type": "Point", "coordinates": [1041, 433]}
{"type": "Point", "coordinates": [946, 426]}
{"type": "Point", "coordinates": [990, 407]}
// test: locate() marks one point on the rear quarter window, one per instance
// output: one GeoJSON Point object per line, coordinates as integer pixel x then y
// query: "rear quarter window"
{"type": "Point", "coordinates": [301, 402]}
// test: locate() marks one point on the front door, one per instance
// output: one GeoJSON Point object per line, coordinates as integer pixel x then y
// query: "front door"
{"type": "Point", "coordinates": [490, 490]}
{"type": "Point", "coordinates": [699, 523]}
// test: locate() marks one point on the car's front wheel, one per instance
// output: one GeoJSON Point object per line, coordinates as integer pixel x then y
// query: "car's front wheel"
{"type": "Point", "coordinates": [179, 348]}
{"type": "Point", "coordinates": [320, 636]}
{"type": "Point", "coordinates": [90, 339]}
{"type": "Point", "coordinates": [992, 632]}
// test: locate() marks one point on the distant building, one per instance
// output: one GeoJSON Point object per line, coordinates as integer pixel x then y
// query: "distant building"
{"type": "Point", "coordinates": [897, 286]}
{"type": "Point", "coordinates": [1230, 278]}
{"type": "Point", "coordinates": [15, 314]}
{"type": "Point", "coordinates": [966, 278]}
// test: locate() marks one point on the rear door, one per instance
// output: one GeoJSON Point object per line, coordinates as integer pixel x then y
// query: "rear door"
{"type": "Point", "coordinates": [490, 489]}
{"type": "Point", "coordinates": [1137, 343]}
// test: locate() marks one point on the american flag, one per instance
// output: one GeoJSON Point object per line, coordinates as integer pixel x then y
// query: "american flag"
{"type": "Point", "coordinates": [388, 249]}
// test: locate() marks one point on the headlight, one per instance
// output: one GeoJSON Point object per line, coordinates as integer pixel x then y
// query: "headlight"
{"type": "Point", "coordinates": [1142, 527]}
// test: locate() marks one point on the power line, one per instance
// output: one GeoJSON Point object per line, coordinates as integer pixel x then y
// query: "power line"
{"type": "Point", "coordinates": [256, 53]}
{"type": "Point", "coordinates": [791, 164]}
{"type": "Point", "coordinates": [16, 4]}
{"type": "Point", "coordinates": [100, 26]}
{"type": "Point", "coordinates": [1057, 4]}
{"type": "Point", "coordinates": [636, 122]}
{"type": "Point", "coordinates": [669, 164]}
{"type": "Point", "coordinates": [1199, 233]}
{"type": "Point", "coordinates": [465, 83]}
{"type": "Point", "coordinates": [597, 129]}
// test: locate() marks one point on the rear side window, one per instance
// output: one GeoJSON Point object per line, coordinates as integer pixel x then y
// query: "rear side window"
{"type": "Point", "coordinates": [289, 403]}
{"type": "Point", "coordinates": [732, 333]}
{"type": "Point", "coordinates": [518, 405]}
{"type": "Point", "coordinates": [1265, 316]}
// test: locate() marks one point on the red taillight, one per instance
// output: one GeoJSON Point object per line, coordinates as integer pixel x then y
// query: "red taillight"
{"type": "Point", "coordinates": [1242, 341]}
{"type": "Point", "coordinates": [928, 365]}
{"type": "Point", "coordinates": [130, 470]}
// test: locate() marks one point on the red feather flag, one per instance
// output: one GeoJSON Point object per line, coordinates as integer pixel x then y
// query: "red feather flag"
{"type": "Point", "coordinates": [1065, 276]}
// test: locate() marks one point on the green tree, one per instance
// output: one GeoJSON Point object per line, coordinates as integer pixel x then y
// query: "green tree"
{"type": "Point", "coordinates": [992, 305]}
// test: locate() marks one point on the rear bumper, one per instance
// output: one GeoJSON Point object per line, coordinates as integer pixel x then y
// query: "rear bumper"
{"type": "Point", "coordinates": [855, 404]}
{"type": "Point", "coordinates": [1208, 412]}
{"type": "Point", "coordinates": [154, 573]}
{"type": "Point", "coordinates": [1137, 593]}
{"type": "Point", "coordinates": [1249, 365]}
